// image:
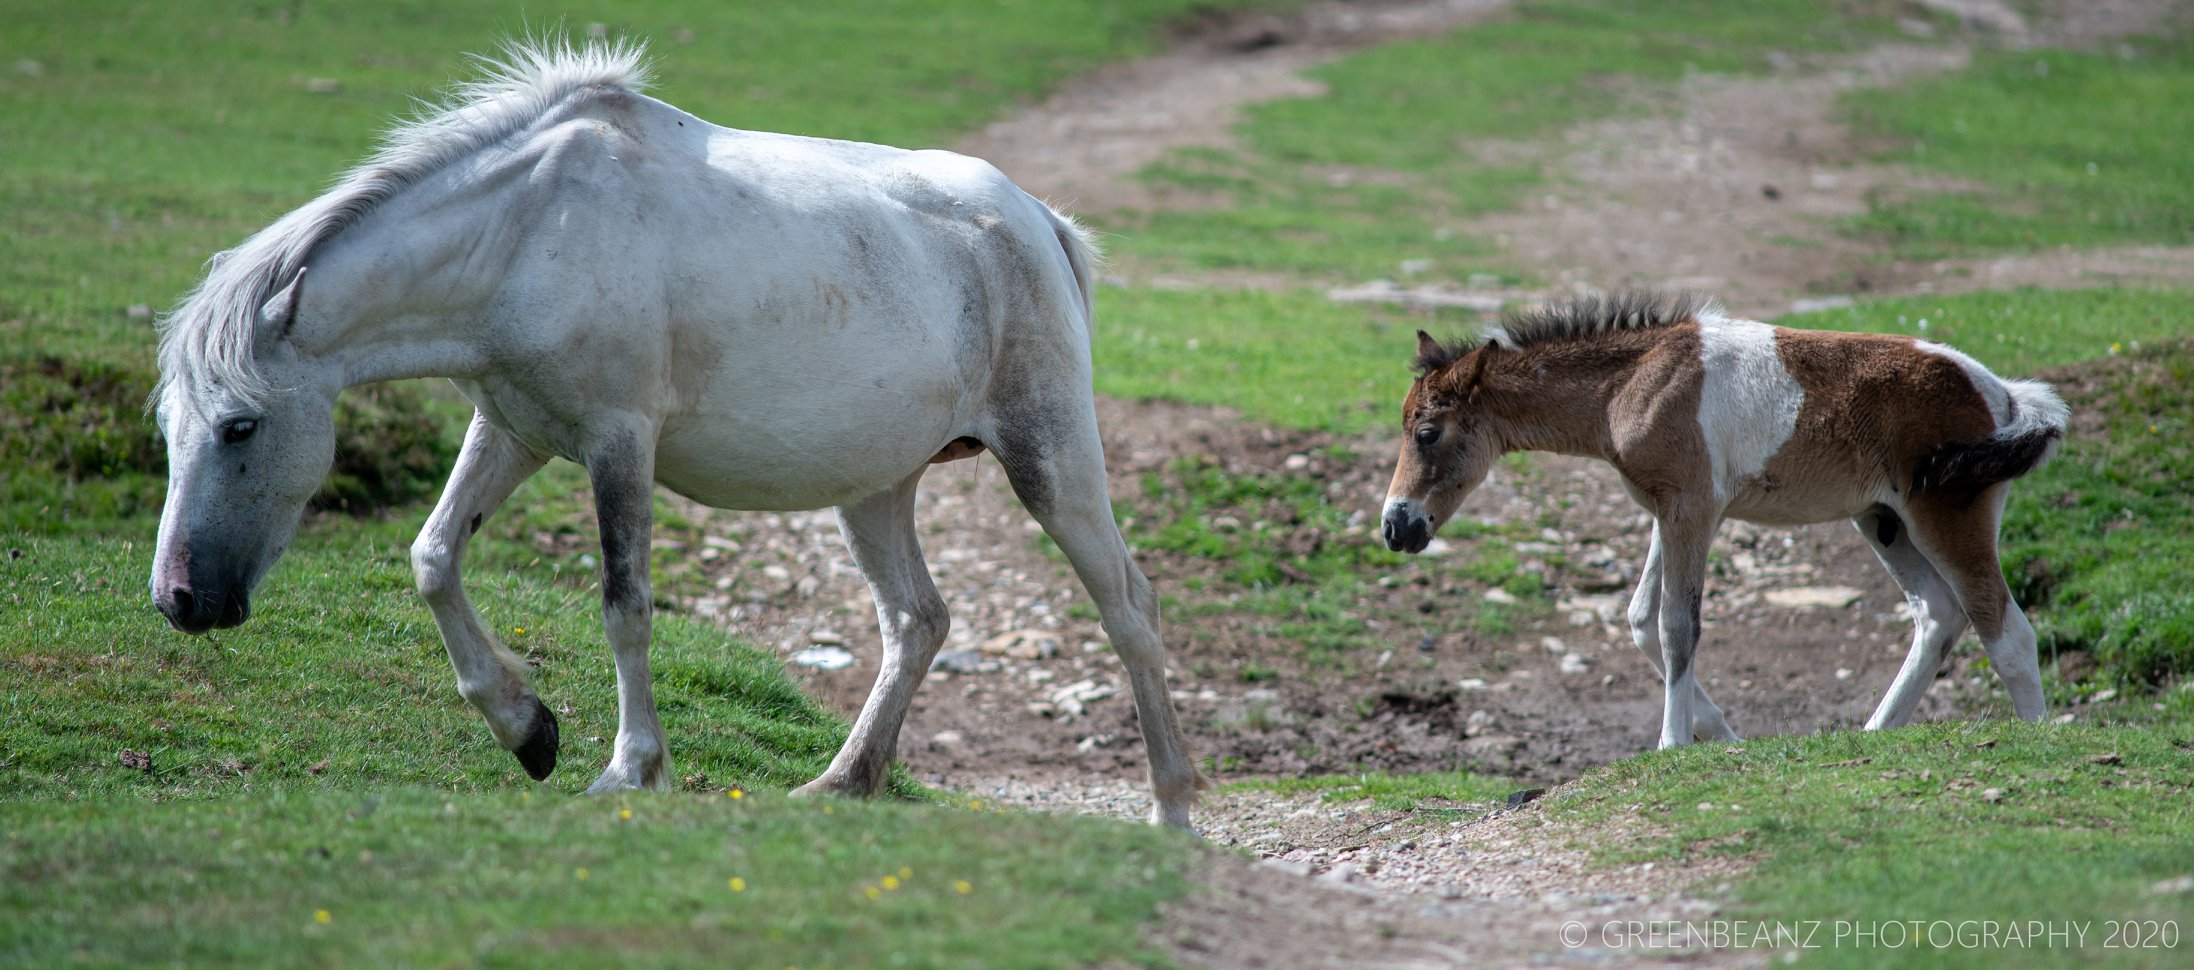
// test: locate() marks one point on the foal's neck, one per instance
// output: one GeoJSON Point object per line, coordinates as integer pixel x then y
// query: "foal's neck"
{"type": "Point", "coordinates": [1554, 397]}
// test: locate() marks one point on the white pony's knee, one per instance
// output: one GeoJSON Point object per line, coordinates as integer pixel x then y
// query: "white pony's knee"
{"type": "Point", "coordinates": [433, 568]}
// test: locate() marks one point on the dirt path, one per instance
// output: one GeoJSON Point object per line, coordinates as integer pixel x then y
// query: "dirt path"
{"type": "Point", "coordinates": [1031, 708]}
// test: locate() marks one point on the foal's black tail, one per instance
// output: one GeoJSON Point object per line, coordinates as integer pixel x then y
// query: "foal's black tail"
{"type": "Point", "coordinates": [2037, 424]}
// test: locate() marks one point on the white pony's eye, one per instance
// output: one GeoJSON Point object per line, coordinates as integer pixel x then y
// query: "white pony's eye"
{"type": "Point", "coordinates": [238, 430]}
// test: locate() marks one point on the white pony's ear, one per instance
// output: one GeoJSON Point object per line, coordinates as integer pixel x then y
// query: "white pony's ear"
{"type": "Point", "coordinates": [279, 313]}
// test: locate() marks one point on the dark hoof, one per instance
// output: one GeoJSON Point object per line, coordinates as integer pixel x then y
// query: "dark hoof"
{"type": "Point", "coordinates": [538, 754]}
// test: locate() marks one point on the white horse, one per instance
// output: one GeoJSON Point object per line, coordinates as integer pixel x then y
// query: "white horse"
{"type": "Point", "coordinates": [755, 321]}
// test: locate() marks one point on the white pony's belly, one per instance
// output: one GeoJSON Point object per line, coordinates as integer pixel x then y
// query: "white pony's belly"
{"type": "Point", "coordinates": [721, 467]}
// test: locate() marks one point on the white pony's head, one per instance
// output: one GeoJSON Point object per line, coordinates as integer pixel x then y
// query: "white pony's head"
{"type": "Point", "coordinates": [251, 434]}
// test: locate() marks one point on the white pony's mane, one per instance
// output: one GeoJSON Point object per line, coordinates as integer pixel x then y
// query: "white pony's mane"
{"type": "Point", "coordinates": [209, 336]}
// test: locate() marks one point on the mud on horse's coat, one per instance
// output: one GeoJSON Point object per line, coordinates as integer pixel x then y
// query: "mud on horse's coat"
{"type": "Point", "coordinates": [755, 321]}
{"type": "Point", "coordinates": [1708, 417]}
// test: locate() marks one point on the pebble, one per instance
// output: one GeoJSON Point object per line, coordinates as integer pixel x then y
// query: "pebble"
{"type": "Point", "coordinates": [824, 658]}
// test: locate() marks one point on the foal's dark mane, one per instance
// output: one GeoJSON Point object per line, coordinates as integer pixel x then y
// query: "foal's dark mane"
{"type": "Point", "coordinates": [1575, 319]}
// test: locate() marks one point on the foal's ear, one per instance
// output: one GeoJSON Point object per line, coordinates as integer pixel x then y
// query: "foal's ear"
{"type": "Point", "coordinates": [1431, 356]}
{"type": "Point", "coordinates": [279, 313]}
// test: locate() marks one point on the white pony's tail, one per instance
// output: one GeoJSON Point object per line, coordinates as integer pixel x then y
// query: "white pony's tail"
{"type": "Point", "coordinates": [1083, 257]}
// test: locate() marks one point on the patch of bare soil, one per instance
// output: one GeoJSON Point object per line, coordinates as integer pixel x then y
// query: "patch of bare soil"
{"type": "Point", "coordinates": [1082, 146]}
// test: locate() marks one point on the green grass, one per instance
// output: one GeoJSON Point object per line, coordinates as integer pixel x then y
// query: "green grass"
{"type": "Point", "coordinates": [2060, 148]}
{"type": "Point", "coordinates": [2094, 544]}
{"type": "Point", "coordinates": [1380, 169]}
{"type": "Point", "coordinates": [412, 877]}
{"type": "Point", "coordinates": [1965, 820]}
{"type": "Point", "coordinates": [337, 631]}
{"type": "Point", "coordinates": [1292, 359]}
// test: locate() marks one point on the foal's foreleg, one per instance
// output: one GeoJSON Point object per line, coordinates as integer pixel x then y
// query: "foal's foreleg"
{"type": "Point", "coordinates": [1683, 543]}
{"type": "Point", "coordinates": [621, 466]}
{"type": "Point", "coordinates": [488, 675]}
{"type": "Point", "coordinates": [879, 530]}
{"type": "Point", "coordinates": [1707, 722]}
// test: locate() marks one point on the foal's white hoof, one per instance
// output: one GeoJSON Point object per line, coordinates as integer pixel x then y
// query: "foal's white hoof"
{"type": "Point", "coordinates": [624, 778]}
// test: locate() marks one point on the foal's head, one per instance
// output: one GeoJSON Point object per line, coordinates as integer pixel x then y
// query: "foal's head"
{"type": "Point", "coordinates": [1446, 448]}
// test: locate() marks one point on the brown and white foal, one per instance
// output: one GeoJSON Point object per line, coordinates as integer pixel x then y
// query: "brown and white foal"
{"type": "Point", "coordinates": [1708, 417]}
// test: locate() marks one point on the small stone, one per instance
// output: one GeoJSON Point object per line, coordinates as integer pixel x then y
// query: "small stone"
{"type": "Point", "coordinates": [946, 739]}
{"type": "Point", "coordinates": [139, 311]}
{"type": "Point", "coordinates": [958, 661]}
{"type": "Point", "coordinates": [323, 85]}
{"type": "Point", "coordinates": [1993, 795]}
{"type": "Point", "coordinates": [1575, 664]}
{"type": "Point", "coordinates": [1828, 597]}
{"type": "Point", "coordinates": [1296, 462]}
{"type": "Point", "coordinates": [825, 637]}
{"type": "Point", "coordinates": [824, 658]}
{"type": "Point", "coordinates": [2107, 693]}
{"type": "Point", "coordinates": [1500, 596]}
{"type": "Point", "coordinates": [1843, 673]}
{"type": "Point", "coordinates": [1436, 548]}
{"type": "Point", "coordinates": [1554, 645]}
{"type": "Point", "coordinates": [1471, 683]}
{"type": "Point", "coordinates": [2182, 884]}
{"type": "Point", "coordinates": [1479, 722]}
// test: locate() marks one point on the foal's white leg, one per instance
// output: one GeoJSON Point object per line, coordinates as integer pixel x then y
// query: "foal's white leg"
{"type": "Point", "coordinates": [1057, 467]}
{"type": "Point", "coordinates": [879, 530]}
{"type": "Point", "coordinates": [1707, 722]}
{"type": "Point", "coordinates": [621, 466]}
{"type": "Point", "coordinates": [488, 675]}
{"type": "Point", "coordinates": [1683, 544]}
{"type": "Point", "coordinates": [1937, 619]}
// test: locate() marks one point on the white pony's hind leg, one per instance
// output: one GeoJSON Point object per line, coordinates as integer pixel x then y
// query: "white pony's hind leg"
{"type": "Point", "coordinates": [1707, 722]}
{"type": "Point", "coordinates": [1937, 619]}
{"type": "Point", "coordinates": [489, 676]}
{"type": "Point", "coordinates": [1057, 467]}
{"type": "Point", "coordinates": [879, 530]}
{"type": "Point", "coordinates": [621, 466]}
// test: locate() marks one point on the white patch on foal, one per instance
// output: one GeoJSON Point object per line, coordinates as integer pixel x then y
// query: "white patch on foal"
{"type": "Point", "coordinates": [1748, 403]}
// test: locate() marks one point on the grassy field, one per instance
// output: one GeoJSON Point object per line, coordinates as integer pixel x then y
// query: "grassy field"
{"type": "Point", "coordinates": [310, 789]}
{"type": "Point", "coordinates": [2057, 148]}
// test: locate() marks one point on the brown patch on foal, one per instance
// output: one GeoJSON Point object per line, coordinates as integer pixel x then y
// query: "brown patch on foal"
{"type": "Point", "coordinates": [1874, 406]}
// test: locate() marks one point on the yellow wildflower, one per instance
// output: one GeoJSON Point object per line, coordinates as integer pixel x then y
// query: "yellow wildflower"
{"type": "Point", "coordinates": [962, 887]}
{"type": "Point", "coordinates": [891, 882]}
{"type": "Point", "coordinates": [322, 917]}
{"type": "Point", "coordinates": [738, 885]}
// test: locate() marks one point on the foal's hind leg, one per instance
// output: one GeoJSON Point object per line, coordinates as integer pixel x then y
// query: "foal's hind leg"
{"type": "Point", "coordinates": [1958, 535]}
{"type": "Point", "coordinates": [1937, 619]}
{"type": "Point", "coordinates": [488, 675]}
{"type": "Point", "coordinates": [880, 532]}
{"type": "Point", "coordinates": [1057, 467]}
{"type": "Point", "coordinates": [1707, 722]}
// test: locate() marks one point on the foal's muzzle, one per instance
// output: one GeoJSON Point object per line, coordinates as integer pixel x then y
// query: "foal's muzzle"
{"type": "Point", "coordinates": [1404, 527]}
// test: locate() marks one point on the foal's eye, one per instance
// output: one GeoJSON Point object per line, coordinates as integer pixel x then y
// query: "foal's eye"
{"type": "Point", "coordinates": [1428, 435]}
{"type": "Point", "coordinates": [238, 430]}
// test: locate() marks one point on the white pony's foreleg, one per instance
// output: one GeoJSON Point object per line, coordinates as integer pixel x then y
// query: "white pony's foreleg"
{"type": "Point", "coordinates": [1937, 619]}
{"type": "Point", "coordinates": [1683, 545]}
{"type": "Point", "coordinates": [489, 676]}
{"type": "Point", "coordinates": [621, 466]}
{"type": "Point", "coordinates": [879, 530]}
{"type": "Point", "coordinates": [1058, 470]}
{"type": "Point", "coordinates": [1707, 722]}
